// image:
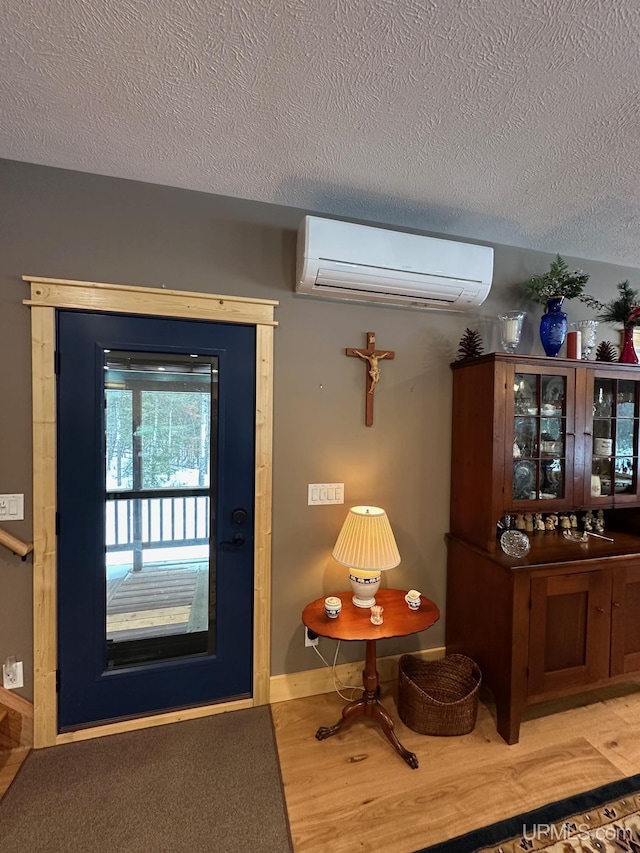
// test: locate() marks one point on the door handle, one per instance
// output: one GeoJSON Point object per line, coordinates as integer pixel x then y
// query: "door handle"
{"type": "Point", "coordinates": [237, 540]}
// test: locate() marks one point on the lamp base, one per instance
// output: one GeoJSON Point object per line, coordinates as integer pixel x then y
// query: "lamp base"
{"type": "Point", "coordinates": [363, 602]}
{"type": "Point", "coordinates": [364, 586]}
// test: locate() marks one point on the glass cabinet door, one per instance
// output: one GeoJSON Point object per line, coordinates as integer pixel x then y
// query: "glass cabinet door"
{"type": "Point", "coordinates": [614, 439]}
{"type": "Point", "coordinates": [539, 467]}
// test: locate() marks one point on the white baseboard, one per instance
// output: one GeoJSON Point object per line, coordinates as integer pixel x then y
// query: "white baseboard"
{"type": "Point", "coordinates": [311, 682]}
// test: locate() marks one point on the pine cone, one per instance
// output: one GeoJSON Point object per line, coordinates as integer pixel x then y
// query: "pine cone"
{"type": "Point", "coordinates": [606, 352]}
{"type": "Point", "coordinates": [470, 345]}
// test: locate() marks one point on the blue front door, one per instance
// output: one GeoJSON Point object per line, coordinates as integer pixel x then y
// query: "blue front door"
{"type": "Point", "coordinates": [155, 514]}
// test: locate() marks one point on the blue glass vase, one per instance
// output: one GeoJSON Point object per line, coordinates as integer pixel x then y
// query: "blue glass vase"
{"type": "Point", "coordinates": [553, 326]}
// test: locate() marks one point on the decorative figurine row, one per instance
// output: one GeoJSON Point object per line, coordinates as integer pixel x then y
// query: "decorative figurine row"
{"type": "Point", "coordinates": [536, 521]}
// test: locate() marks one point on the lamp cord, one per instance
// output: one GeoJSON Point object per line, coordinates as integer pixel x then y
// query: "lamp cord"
{"type": "Point", "coordinates": [336, 681]}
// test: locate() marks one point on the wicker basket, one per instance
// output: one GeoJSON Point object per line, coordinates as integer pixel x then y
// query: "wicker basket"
{"type": "Point", "coordinates": [438, 697]}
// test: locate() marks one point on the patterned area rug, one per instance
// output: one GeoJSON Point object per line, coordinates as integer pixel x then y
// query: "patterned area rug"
{"type": "Point", "coordinates": [604, 820]}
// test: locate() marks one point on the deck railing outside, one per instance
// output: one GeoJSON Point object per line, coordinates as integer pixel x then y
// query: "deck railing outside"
{"type": "Point", "coordinates": [146, 524]}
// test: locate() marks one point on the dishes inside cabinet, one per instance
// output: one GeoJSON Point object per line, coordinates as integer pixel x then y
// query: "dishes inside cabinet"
{"type": "Point", "coordinates": [623, 484]}
{"type": "Point", "coordinates": [525, 436]}
{"type": "Point", "coordinates": [552, 395]}
{"type": "Point", "coordinates": [515, 543]}
{"type": "Point", "coordinates": [524, 480]}
{"type": "Point", "coordinates": [525, 394]}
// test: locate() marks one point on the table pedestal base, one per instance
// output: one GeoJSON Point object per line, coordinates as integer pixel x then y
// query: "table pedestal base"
{"type": "Point", "coordinates": [370, 706]}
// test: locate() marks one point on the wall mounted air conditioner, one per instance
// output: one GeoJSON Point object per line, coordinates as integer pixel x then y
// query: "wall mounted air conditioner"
{"type": "Point", "coordinates": [343, 260]}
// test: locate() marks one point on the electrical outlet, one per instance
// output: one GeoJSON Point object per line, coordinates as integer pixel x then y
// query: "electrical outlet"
{"type": "Point", "coordinates": [12, 674]}
{"type": "Point", "coordinates": [310, 639]}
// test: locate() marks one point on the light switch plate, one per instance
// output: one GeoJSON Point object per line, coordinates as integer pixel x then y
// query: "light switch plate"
{"type": "Point", "coordinates": [11, 507]}
{"type": "Point", "coordinates": [325, 493]}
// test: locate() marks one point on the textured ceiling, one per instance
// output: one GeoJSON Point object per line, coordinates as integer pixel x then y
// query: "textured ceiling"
{"type": "Point", "coordinates": [514, 121]}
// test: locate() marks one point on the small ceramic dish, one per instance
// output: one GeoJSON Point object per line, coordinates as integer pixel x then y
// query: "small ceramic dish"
{"type": "Point", "coordinates": [575, 536]}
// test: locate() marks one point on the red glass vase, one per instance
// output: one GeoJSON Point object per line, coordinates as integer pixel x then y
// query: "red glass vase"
{"type": "Point", "coordinates": [628, 354]}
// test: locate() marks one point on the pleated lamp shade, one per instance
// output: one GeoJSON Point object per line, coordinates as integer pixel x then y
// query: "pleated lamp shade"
{"type": "Point", "coordinates": [367, 546]}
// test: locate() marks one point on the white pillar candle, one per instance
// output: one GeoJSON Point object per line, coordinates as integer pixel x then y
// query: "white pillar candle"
{"type": "Point", "coordinates": [511, 330]}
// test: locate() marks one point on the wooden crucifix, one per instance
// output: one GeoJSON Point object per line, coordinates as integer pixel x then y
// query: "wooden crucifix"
{"type": "Point", "coordinates": [372, 356]}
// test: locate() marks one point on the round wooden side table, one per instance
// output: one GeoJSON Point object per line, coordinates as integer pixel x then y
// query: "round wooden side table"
{"type": "Point", "coordinates": [354, 623]}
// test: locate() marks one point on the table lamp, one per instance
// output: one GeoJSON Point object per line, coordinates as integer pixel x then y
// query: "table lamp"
{"type": "Point", "coordinates": [367, 547]}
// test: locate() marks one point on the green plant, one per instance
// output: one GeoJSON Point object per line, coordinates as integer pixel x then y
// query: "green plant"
{"type": "Point", "coordinates": [558, 283]}
{"type": "Point", "coordinates": [624, 310]}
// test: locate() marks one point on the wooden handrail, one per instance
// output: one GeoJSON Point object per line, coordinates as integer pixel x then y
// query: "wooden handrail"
{"type": "Point", "coordinates": [16, 545]}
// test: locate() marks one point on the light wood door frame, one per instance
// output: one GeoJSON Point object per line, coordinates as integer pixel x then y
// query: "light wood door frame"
{"type": "Point", "coordinates": [47, 295]}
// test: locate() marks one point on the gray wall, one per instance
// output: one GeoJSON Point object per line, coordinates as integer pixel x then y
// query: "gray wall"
{"type": "Point", "coordinates": [64, 224]}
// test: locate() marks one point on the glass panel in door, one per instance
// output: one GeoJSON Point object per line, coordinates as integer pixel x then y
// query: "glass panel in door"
{"type": "Point", "coordinates": [160, 580]}
{"type": "Point", "coordinates": [539, 437]}
{"type": "Point", "coordinates": [626, 439]}
{"type": "Point", "coordinates": [614, 460]}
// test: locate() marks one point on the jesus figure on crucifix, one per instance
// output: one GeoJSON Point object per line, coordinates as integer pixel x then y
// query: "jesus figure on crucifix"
{"type": "Point", "coordinates": [374, 370]}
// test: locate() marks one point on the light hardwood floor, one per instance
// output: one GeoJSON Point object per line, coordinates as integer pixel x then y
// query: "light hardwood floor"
{"type": "Point", "coordinates": [352, 792]}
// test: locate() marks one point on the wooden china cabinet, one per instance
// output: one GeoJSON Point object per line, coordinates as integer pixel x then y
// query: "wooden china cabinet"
{"type": "Point", "coordinates": [540, 435]}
